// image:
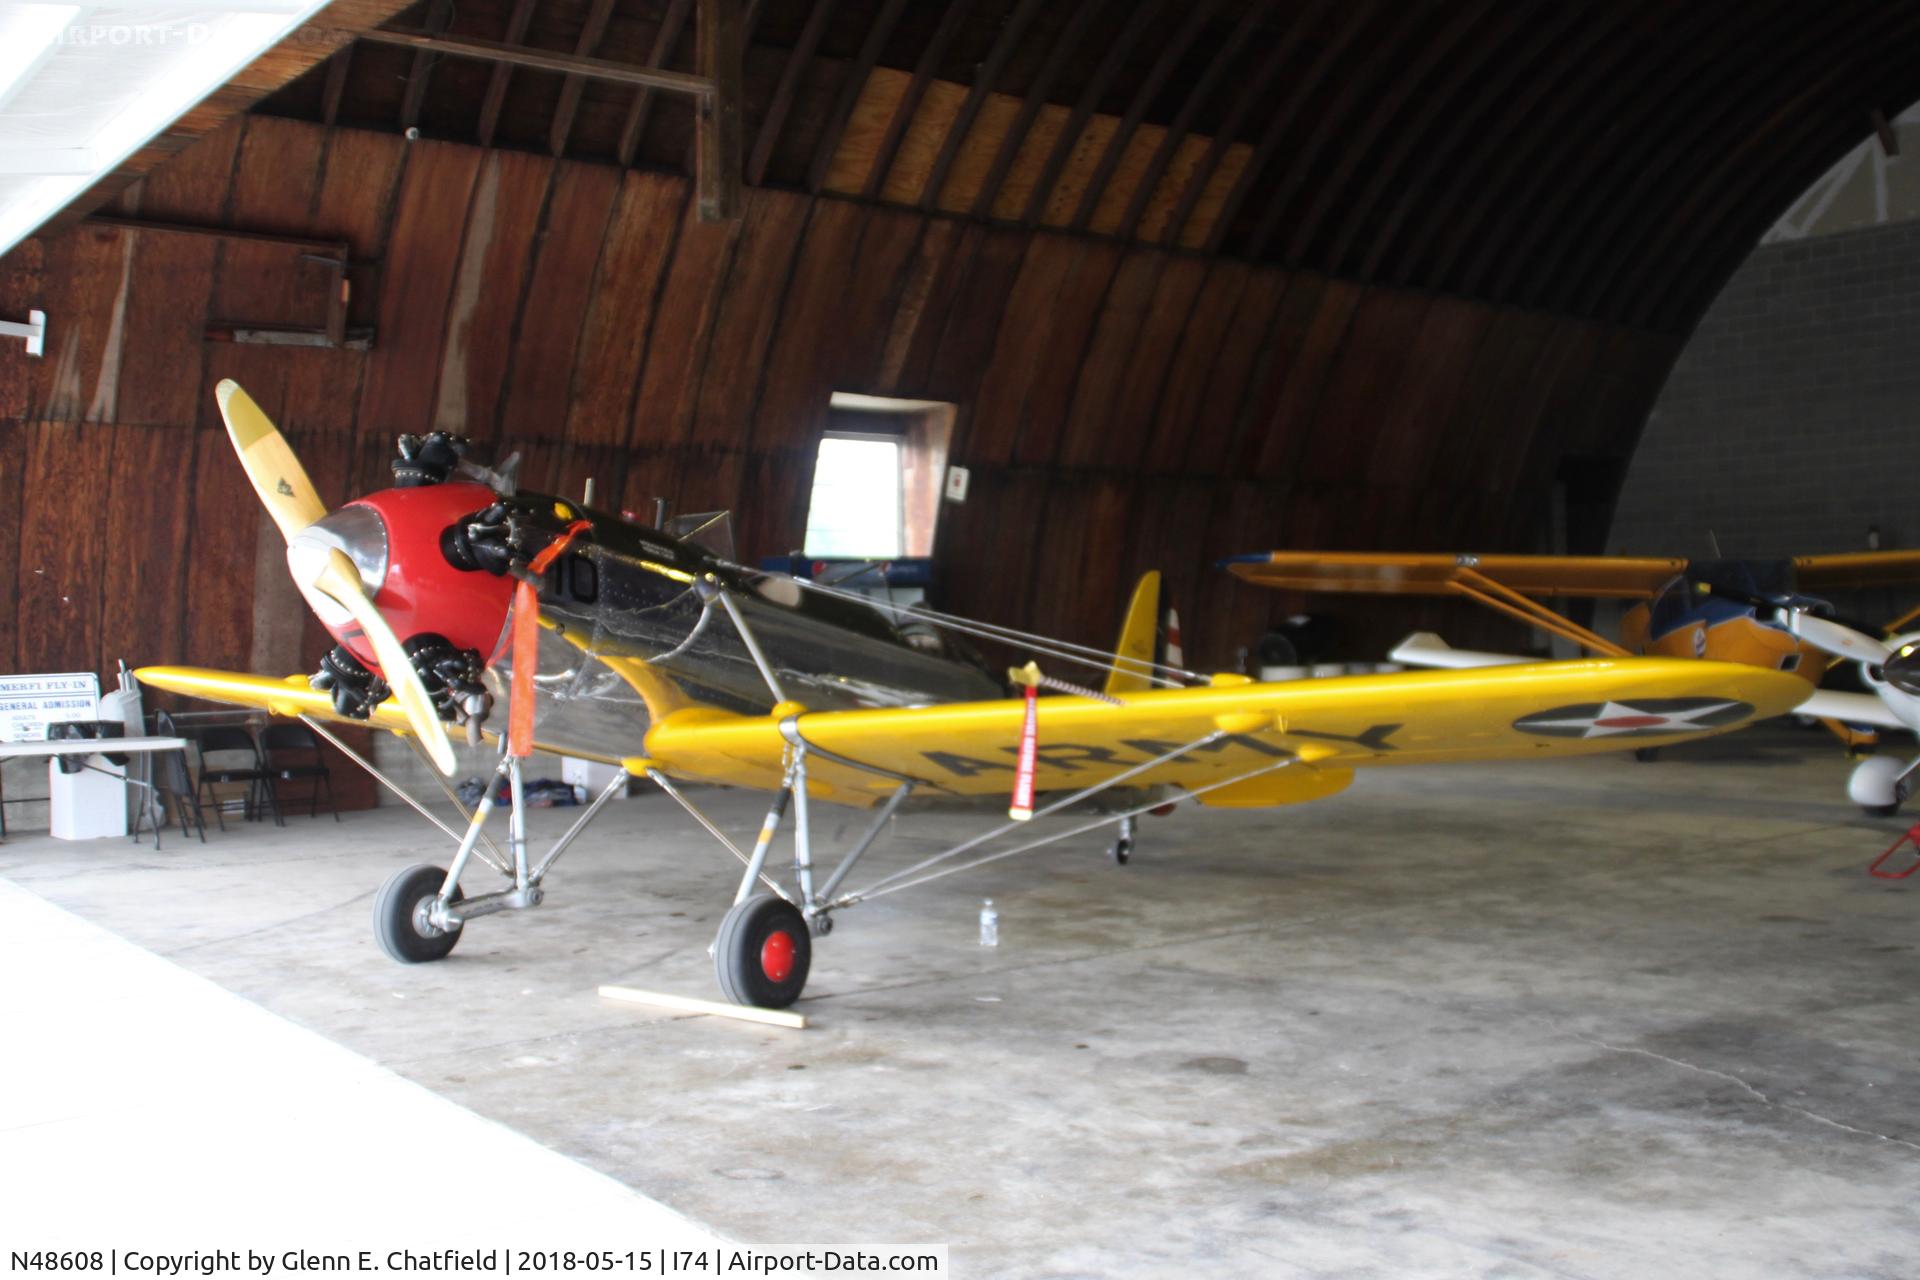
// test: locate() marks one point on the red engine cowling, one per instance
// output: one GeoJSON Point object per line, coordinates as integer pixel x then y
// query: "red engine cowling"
{"type": "Point", "coordinates": [394, 539]}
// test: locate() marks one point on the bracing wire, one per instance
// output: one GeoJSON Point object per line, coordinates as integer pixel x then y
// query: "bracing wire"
{"type": "Point", "coordinates": [1065, 651]}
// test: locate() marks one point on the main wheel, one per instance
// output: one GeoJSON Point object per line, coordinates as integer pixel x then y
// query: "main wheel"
{"type": "Point", "coordinates": [400, 916]}
{"type": "Point", "coordinates": [762, 952]}
{"type": "Point", "coordinates": [1646, 755]}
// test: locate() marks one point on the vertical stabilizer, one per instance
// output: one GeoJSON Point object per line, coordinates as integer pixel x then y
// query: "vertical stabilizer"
{"type": "Point", "coordinates": [1133, 652]}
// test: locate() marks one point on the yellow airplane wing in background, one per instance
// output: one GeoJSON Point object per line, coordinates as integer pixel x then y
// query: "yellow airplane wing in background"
{"type": "Point", "coordinates": [1323, 727]}
{"type": "Point", "coordinates": [1385, 573]}
{"type": "Point", "coordinates": [1856, 569]}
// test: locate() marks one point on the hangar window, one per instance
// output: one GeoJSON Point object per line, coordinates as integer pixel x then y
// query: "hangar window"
{"type": "Point", "coordinates": [877, 478]}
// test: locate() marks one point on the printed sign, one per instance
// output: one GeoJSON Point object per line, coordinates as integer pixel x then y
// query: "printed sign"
{"type": "Point", "coordinates": [28, 704]}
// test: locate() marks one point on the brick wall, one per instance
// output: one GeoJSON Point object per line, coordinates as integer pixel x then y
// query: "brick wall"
{"type": "Point", "coordinates": [1792, 420]}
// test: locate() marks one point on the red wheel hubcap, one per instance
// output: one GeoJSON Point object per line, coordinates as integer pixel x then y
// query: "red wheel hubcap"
{"type": "Point", "coordinates": [776, 956]}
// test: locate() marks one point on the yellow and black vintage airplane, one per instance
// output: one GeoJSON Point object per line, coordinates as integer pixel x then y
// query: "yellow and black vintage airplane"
{"type": "Point", "coordinates": [659, 655]}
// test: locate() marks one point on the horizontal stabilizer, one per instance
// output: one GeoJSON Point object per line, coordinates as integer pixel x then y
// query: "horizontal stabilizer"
{"type": "Point", "coordinates": [1425, 649]}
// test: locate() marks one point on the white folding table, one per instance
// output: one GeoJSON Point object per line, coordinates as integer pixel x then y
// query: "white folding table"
{"type": "Point", "coordinates": [88, 810]}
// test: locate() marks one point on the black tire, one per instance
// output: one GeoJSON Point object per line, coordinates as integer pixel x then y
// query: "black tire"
{"type": "Point", "coordinates": [1646, 755]}
{"type": "Point", "coordinates": [397, 916]}
{"type": "Point", "coordinates": [1880, 810]}
{"type": "Point", "coordinates": [1121, 850]}
{"type": "Point", "coordinates": [762, 952]}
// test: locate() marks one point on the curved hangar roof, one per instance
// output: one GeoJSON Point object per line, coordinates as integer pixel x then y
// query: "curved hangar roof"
{"type": "Point", "coordinates": [1610, 159]}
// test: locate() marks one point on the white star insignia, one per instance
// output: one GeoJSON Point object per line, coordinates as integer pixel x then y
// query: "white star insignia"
{"type": "Point", "coordinates": [1619, 717]}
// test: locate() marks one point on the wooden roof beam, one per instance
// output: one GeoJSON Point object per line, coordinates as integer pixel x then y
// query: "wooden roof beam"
{"type": "Point", "coordinates": [497, 84]}
{"type": "Point", "coordinates": [336, 86]}
{"type": "Point", "coordinates": [903, 113]}
{"type": "Point", "coordinates": [1143, 99]}
{"type": "Point", "coordinates": [564, 111]}
{"type": "Point", "coordinates": [1083, 110]}
{"type": "Point", "coordinates": [1182, 122]}
{"type": "Point", "coordinates": [1281, 122]}
{"type": "Point", "coordinates": [835, 127]}
{"type": "Point", "coordinates": [672, 23]}
{"type": "Point", "coordinates": [1037, 95]}
{"type": "Point", "coordinates": [439, 17]}
{"type": "Point", "coordinates": [722, 40]}
{"type": "Point", "coordinates": [797, 61]}
{"type": "Point", "coordinates": [983, 81]}
{"type": "Point", "coordinates": [1223, 137]}
{"type": "Point", "coordinates": [540, 60]}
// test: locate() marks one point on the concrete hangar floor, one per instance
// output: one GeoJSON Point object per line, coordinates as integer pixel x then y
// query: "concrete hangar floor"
{"type": "Point", "coordinates": [1582, 1018]}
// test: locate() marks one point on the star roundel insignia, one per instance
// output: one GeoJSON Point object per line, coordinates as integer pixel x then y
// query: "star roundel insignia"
{"type": "Point", "coordinates": [1641, 718]}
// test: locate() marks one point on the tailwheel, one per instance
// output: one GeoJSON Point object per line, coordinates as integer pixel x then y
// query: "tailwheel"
{"type": "Point", "coordinates": [400, 916]}
{"type": "Point", "coordinates": [1646, 755]}
{"type": "Point", "coordinates": [1122, 847]}
{"type": "Point", "coordinates": [762, 952]}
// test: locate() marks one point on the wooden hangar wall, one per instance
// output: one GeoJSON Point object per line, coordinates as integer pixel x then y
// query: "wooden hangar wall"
{"type": "Point", "coordinates": [1121, 408]}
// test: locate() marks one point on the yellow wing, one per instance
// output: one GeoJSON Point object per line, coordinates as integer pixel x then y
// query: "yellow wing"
{"type": "Point", "coordinates": [293, 696]}
{"type": "Point", "coordinates": [1856, 569]}
{"type": "Point", "coordinates": [1439, 575]}
{"type": "Point", "coordinates": [1327, 726]}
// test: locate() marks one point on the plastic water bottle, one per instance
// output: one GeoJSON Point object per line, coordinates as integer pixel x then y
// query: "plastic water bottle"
{"type": "Point", "coordinates": [989, 924]}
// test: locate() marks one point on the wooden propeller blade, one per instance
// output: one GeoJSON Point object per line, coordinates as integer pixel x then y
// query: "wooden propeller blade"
{"type": "Point", "coordinates": [340, 581]}
{"type": "Point", "coordinates": [277, 476]}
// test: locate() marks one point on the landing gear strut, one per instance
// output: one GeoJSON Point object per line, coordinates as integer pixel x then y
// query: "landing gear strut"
{"type": "Point", "coordinates": [1122, 847]}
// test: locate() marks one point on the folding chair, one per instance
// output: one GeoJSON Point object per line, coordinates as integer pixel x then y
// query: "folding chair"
{"type": "Point", "coordinates": [285, 746]}
{"type": "Point", "coordinates": [172, 783]}
{"type": "Point", "coordinates": [225, 739]}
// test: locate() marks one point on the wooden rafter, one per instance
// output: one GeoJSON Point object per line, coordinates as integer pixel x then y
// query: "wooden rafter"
{"type": "Point", "coordinates": [1182, 122]}
{"type": "Point", "coordinates": [1253, 92]}
{"type": "Point", "coordinates": [1282, 122]}
{"type": "Point", "coordinates": [1468, 19]}
{"type": "Point", "coordinates": [439, 17]}
{"type": "Point", "coordinates": [1448, 162]}
{"type": "Point", "coordinates": [497, 83]}
{"type": "Point", "coordinates": [1693, 153]}
{"type": "Point", "coordinates": [672, 23]}
{"type": "Point", "coordinates": [983, 82]}
{"type": "Point", "coordinates": [1143, 97]}
{"type": "Point", "coordinates": [336, 87]}
{"type": "Point", "coordinates": [1334, 128]}
{"type": "Point", "coordinates": [591, 33]}
{"type": "Point", "coordinates": [797, 63]}
{"type": "Point", "coordinates": [835, 127]}
{"type": "Point", "coordinates": [541, 60]}
{"type": "Point", "coordinates": [1552, 206]}
{"type": "Point", "coordinates": [1083, 110]}
{"type": "Point", "coordinates": [722, 41]}
{"type": "Point", "coordinates": [1415, 158]}
{"type": "Point", "coordinates": [949, 26]}
{"type": "Point", "coordinates": [1037, 94]}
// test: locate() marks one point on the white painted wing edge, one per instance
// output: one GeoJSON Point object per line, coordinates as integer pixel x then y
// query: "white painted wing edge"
{"type": "Point", "coordinates": [1425, 649]}
{"type": "Point", "coordinates": [1836, 638]}
{"type": "Point", "coordinates": [1850, 708]}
